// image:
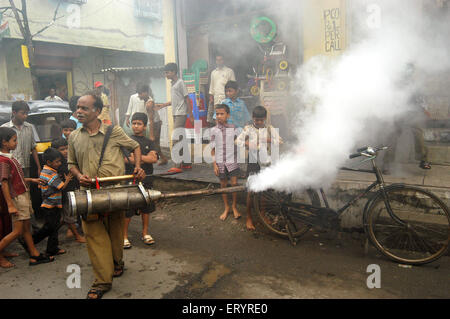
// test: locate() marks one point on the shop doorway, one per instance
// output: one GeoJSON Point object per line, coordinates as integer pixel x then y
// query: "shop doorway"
{"type": "Point", "coordinates": [57, 80]}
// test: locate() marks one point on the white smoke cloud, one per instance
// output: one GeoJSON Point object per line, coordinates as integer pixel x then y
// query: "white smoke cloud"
{"type": "Point", "coordinates": [363, 85]}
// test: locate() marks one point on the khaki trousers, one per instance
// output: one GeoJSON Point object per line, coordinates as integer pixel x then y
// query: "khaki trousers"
{"type": "Point", "coordinates": [105, 247]}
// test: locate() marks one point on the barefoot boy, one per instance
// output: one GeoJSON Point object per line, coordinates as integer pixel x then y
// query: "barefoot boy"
{"type": "Point", "coordinates": [251, 138]}
{"type": "Point", "coordinates": [224, 155]}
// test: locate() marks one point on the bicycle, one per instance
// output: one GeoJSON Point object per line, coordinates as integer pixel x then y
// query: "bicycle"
{"type": "Point", "coordinates": [405, 223]}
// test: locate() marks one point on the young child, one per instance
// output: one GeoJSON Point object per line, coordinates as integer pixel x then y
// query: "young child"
{"type": "Point", "coordinates": [250, 138]}
{"type": "Point", "coordinates": [51, 206]}
{"type": "Point", "coordinates": [225, 164]}
{"type": "Point", "coordinates": [149, 157]}
{"type": "Point", "coordinates": [239, 115]}
{"type": "Point", "coordinates": [17, 197]}
{"type": "Point", "coordinates": [61, 145]}
{"type": "Point", "coordinates": [68, 126]}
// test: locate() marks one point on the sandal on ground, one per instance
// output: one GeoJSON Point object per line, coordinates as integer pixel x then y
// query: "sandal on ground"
{"type": "Point", "coordinates": [126, 244]}
{"type": "Point", "coordinates": [41, 259]}
{"type": "Point", "coordinates": [175, 170]}
{"type": "Point", "coordinates": [97, 292]}
{"type": "Point", "coordinates": [118, 272]}
{"type": "Point", "coordinates": [58, 252]}
{"type": "Point", "coordinates": [148, 240]}
{"type": "Point", "coordinates": [425, 165]}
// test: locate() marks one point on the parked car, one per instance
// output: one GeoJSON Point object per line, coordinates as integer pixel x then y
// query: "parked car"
{"type": "Point", "coordinates": [46, 118]}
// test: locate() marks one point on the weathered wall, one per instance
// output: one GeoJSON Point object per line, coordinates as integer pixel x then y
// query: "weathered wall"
{"type": "Point", "coordinates": [100, 23]}
{"type": "Point", "coordinates": [19, 78]}
{"type": "Point", "coordinates": [88, 67]}
{"type": "Point", "coordinates": [324, 27]}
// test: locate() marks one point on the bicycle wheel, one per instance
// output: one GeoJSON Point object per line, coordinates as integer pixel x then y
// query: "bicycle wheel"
{"type": "Point", "coordinates": [417, 231]}
{"type": "Point", "coordinates": [269, 205]}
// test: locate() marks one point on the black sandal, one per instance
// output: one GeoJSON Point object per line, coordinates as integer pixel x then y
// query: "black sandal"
{"type": "Point", "coordinates": [97, 292]}
{"type": "Point", "coordinates": [425, 165]}
{"type": "Point", "coordinates": [118, 272]}
{"type": "Point", "coordinates": [58, 252]}
{"type": "Point", "coordinates": [41, 259]}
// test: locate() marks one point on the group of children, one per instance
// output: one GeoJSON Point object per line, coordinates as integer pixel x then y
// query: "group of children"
{"type": "Point", "coordinates": [55, 178]}
{"type": "Point", "coordinates": [226, 165]}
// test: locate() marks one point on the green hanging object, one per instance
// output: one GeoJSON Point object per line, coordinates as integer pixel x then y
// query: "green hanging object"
{"type": "Point", "coordinates": [263, 30]}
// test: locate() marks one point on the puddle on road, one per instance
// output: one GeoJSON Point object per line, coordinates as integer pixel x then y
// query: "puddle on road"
{"type": "Point", "coordinates": [211, 276]}
{"type": "Point", "coordinates": [199, 284]}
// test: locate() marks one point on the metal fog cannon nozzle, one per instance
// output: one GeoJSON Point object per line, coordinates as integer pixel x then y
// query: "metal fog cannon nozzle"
{"type": "Point", "coordinates": [121, 198]}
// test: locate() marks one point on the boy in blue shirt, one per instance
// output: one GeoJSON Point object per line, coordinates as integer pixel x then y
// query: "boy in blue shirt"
{"type": "Point", "coordinates": [51, 205]}
{"type": "Point", "coordinates": [68, 126]}
{"type": "Point", "coordinates": [239, 115]}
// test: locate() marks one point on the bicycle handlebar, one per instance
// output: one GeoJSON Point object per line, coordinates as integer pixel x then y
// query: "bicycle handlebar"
{"type": "Point", "coordinates": [354, 155]}
{"type": "Point", "coordinates": [367, 151]}
{"type": "Point", "coordinates": [362, 149]}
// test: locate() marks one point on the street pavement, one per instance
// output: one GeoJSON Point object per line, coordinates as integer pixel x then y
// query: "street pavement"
{"type": "Point", "coordinates": [197, 256]}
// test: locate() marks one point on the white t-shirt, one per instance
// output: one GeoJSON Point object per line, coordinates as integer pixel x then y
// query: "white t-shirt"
{"type": "Point", "coordinates": [220, 77]}
{"type": "Point", "coordinates": [53, 99]}
{"type": "Point", "coordinates": [138, 105]}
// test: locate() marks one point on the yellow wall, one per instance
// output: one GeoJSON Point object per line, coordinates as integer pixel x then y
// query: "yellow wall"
{"type": "Point", "coordinates": [324, 28]}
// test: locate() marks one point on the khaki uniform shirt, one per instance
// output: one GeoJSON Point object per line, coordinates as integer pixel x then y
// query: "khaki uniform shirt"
{"type": "Point", "coordinates": [85, 149]}
{"type": "Point", "coordinates": [104, 116]}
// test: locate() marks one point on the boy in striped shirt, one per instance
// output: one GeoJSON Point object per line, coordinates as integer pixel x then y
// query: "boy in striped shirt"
{"type": "Point", "coordinates": [51, 206]}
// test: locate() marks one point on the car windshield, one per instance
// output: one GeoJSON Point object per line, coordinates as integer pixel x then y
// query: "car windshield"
{"type": "Point", "coordinates": [48, 126]}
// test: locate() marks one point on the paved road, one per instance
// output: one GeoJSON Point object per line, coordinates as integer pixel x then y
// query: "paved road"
{"type": "Point", "coordinates": [198, 256]}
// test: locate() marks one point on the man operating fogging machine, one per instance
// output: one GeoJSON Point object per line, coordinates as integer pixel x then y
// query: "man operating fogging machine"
{"type": "Point", "coordinates": [95, 151]}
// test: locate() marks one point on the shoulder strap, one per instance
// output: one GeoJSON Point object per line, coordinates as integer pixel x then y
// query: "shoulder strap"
{"type": "Point", "coordinates": [105, 142]}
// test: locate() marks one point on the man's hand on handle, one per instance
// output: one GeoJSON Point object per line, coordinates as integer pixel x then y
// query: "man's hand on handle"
{"type": "Point", "coordinates": [139, 173]}
{"type": "Point", "coordinates": [84, 180]}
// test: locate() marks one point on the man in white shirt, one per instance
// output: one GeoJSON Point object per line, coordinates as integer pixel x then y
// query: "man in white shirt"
{"type": "Point", "coordinates": [52, 97]}
{"type": "Point", "coordinates": [142, 102]}
{"type": "Point", "coordinates": [219, 77]}
{"type": "Point", "coordinates": [137, 103]}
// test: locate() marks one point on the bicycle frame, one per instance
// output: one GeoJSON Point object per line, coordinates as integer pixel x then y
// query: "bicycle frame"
{"type": "Point", "coordinates": [379, 182]}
